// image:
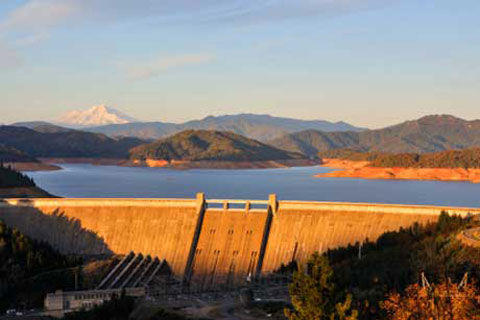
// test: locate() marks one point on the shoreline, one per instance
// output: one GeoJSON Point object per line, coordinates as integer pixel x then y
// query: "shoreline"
{"type": "Point", "coordinates": [360, 169]}
{"type": "Point", "coordinates": [32, 166]}
{"type": "Point", "coordinates": [236, 165]}
{"type": "Point", "coordinates": [25, 193]}
{"type": "Point", "coordinates": [51, 163]}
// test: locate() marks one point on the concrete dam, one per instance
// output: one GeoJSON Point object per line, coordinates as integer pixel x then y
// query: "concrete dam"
{"type": "Point", "coordinates": [202, 239]}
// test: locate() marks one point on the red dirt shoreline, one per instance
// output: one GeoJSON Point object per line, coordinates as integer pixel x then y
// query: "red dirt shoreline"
{"type": "Point", "coordinates": [184, 165]}
{"type": "Point", "coordinates": [360, 169]}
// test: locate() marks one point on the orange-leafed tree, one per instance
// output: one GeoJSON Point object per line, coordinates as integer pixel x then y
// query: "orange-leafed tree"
{"type": "Point", "coordinates": [445, 301]}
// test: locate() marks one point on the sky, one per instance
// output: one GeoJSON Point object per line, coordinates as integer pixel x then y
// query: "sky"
{"type": "Point", "coordinates": [371, 63]}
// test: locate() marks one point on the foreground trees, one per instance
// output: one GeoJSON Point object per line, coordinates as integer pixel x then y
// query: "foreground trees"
{"type": "Point", "coordinates": [382, 277]}
{"type": "Point", "coordinates": [10, 178]}
{"type": "Point", "coordinates": [313, 294]}
{"type": "Point", "coordinates": [314, 297]}
{"type": "Point", "coordinates": [445, 301]}
{"type": "Point", "coordinates": [29, 269]}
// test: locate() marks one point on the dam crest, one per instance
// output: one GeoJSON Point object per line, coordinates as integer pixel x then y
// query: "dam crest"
{"type": "Point", "coordinates": [204, 239]}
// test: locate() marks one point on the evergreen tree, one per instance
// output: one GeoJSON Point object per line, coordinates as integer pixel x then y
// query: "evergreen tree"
{"type": "Point", "coordinates": [313, 294]}
{"type": "Point", "coordinates": [9, 178]}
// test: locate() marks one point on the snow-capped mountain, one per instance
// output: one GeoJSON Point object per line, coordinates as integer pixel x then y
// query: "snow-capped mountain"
{"type": "Point", "coordinates": [95, 116]}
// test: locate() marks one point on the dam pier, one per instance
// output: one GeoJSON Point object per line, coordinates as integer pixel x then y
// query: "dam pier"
{"type": "Point", "coordinates": [204, 240]}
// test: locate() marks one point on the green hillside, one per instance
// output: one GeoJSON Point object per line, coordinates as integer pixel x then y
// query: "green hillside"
{"type": "Point", "coordinates": [196, 145]}
{"type": "Point", "coordinates": [66, 144]}
{"type": "Point", "coordinates": [428, 134]}
{"type": "Point", "coordinates": [311, 142]}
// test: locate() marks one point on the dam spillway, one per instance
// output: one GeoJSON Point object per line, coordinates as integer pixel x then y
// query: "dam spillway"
{"type": "Point", "coordinates": [202, 239]}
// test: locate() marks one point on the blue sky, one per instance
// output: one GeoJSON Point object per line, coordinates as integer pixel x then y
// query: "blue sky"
{"type": "Point", "coordinates": [368, 62]}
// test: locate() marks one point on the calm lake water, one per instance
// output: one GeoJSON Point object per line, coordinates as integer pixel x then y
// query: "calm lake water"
{"type": "Point", "coordinates": [89, 181]}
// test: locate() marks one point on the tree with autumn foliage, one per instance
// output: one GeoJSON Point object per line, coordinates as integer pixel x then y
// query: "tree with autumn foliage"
{"type": "Point", "coordinates": [313, 294]}
{"type": "Point", "coordinates": [445, 301]}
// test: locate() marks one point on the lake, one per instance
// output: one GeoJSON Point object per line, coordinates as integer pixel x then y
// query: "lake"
{"type": "Point", "coordinates": [89, 181]}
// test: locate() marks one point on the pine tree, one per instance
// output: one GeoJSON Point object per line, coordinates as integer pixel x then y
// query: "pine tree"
{"type": "Point", "coordinates": [313, 294]}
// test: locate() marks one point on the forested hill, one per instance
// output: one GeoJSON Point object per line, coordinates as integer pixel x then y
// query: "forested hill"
{"type": "Point", "coordinates": [197, 145]}
{"type": "Point", "coordinates": [10, 178]}
{"type": "Point", "coordinates": [428, 134]}
{"type": "Point", "coordinates": [10, 154]}
{"type": "Point", "coordinates": [22, 258]}
{"type": "Point", "coordinates": [467, 158]}
{"type": "Point", "coordinates": [65, 143]}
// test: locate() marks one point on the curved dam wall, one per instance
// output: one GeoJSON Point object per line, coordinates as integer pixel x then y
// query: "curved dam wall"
{"type": "Point", "coordinates": [206, 241]}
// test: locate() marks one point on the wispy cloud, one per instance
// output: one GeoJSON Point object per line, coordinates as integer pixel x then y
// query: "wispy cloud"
{"type": "Point", "coordinates": [29, 24]}
{"type": "Point", "coordinates": [9, 58]}
{"type": "Point", "coordinates": [254, 11]}
{"type": "Point", "coordinates": [34, 20]}
{"type": "Point", "coordinates": [37, 15]}
{"type": "Point", "coordinates": [30, 39]}
{"type": "Point", "coordinates": [159, 65]}
{"type": "Point", "coordinates": [45, 14]}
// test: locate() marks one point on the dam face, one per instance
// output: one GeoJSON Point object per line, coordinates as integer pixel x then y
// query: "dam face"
{"type": "Point", "coordinates": [204, 241]}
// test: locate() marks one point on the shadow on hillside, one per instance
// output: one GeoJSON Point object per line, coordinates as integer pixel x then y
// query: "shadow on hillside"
{"type": "Point", "coordinates": [64, 233]}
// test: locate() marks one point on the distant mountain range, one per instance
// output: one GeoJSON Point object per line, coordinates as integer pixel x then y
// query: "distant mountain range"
{"type": "Point", "coordinates": [207, 145]}
{"type": "Point", "coordinates": [111, 122]}
{"type": "Point", "coordinates": [95, 116]}
{"type": "Point", "coordinates": [42, 126]}
{"type": "Point", "coordinates": [428, 134]}
{"type": "Point", "coordinates": [258, 127]}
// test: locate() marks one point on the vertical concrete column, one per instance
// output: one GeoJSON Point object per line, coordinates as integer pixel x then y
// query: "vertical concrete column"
{"type": "Point", "coordinates": [200, 201]}
{"type": "Point", "coordinates": [273, 203]}
{"type": "Point", "coordinates": [201, 207]}
{"type": "Point", "coordinates": [272, 210]}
